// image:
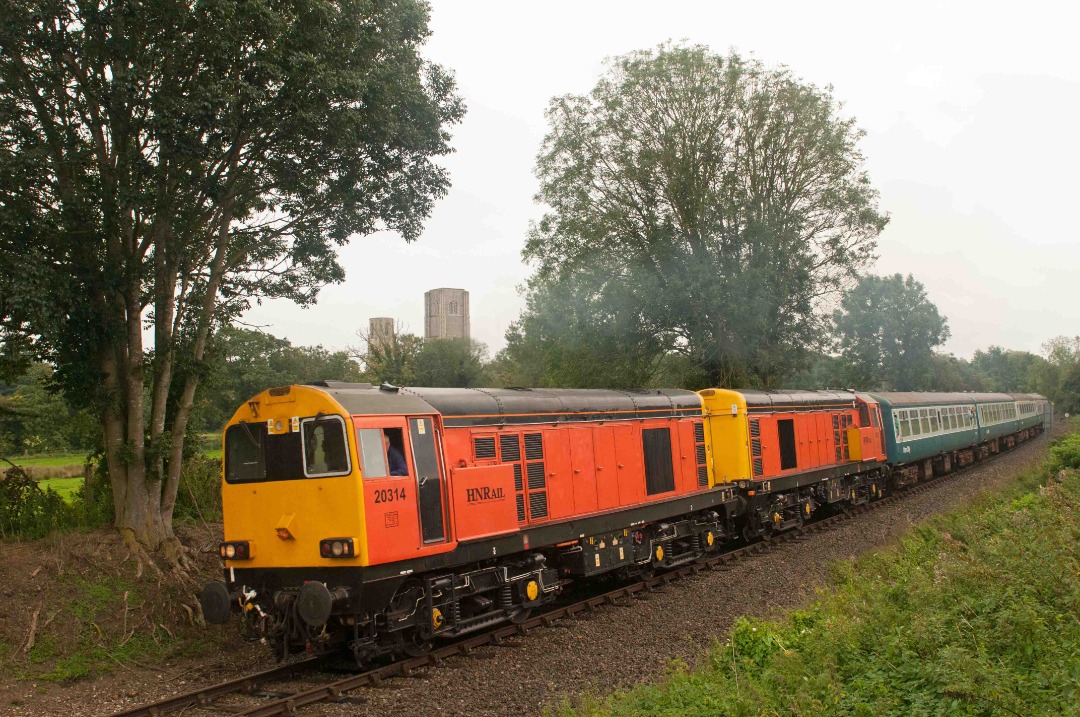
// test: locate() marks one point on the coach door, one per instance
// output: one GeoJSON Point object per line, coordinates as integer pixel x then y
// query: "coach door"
{"type": "Point", "coordinates": [429, 488]}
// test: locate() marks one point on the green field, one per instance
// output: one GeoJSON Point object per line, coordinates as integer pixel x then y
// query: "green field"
{"type": "Point", "coordinates": [61, 459]}
{"type": "Point", "coordinates": [974, 614]}
{"type": "Point", "coordinates": [68, 488]}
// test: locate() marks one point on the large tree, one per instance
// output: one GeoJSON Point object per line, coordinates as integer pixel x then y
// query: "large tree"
{"type": "Point", "coordinates": [886, 330]}
{"type": "Point", "coordinates": [1059, 377]}
{"type": "Point", "coordinates": [710, 203]}
{"type": "Point", "coordinates": [164, 163]}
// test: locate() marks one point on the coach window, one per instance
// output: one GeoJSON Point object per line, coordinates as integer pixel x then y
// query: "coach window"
{"type": "Point", "coordinates": [934, 424]}
{"type": "Point", "coordinates": [925, 420]}
{"type": "Point", "coordinates": [326, 449]}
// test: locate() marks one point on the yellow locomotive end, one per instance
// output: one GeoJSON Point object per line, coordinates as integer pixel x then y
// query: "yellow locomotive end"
{"type": "Point", "coordinates": [726, 435]}
{"type": "Point", "coordinates": [291, 482]}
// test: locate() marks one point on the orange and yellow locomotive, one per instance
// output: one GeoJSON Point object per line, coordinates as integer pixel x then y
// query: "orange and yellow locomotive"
{"type": "Point", "coordinates": [377, 519]}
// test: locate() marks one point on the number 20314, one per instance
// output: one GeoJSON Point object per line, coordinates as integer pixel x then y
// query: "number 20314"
{"type": "Point", "coordinates": [388, 495]}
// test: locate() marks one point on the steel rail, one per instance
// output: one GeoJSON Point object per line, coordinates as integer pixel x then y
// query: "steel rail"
{"type": "Point", "coordinates": [204, 696]}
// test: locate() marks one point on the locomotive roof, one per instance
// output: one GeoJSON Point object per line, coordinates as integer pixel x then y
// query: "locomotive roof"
{"type": "Point", "coordinates": [759, 399]}
{"type": "Point", "coordinates": [496, 406]}
{"type": "Point", "coordinates": [926, 398]}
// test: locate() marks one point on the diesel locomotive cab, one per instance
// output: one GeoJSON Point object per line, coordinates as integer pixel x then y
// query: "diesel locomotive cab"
{"type": "Point", "coordinates": [289, 459]}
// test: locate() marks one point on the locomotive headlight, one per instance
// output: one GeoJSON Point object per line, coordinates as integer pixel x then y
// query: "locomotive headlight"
{"type": "Point", "coordinates": [236, 550]}
{"type": "Point", "coordinates": [336, 549]}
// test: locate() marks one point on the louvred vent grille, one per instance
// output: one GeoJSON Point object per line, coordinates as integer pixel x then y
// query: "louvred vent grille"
{"type": "Point", "coordinates": [702, 476]}
{"type": "Point", "coordinates": [755, 429]}
{"type": "Point", "coordinates": [699, 451]}
{"type": "Point", "coordinates": [510, 447]}
{"type": "Point", "coordinates": [536, 476]}
{"type": "Point", "coordinates": [699, 432]}
{"type": "Point", "coordinates": [520, 508]}
{"type": "Point", "coordinates": [517, 476]}
{"type": "Point", "coordinates": [484, 447]}
{"type": "Point", "coordinates": [757, 466]}
{"type": "Point", "coordinates": [755, 447]}
{"type": "Point", "coordinates": [538, 505]}
{"type": "Point", "coordinates": [280, 391]}
{"type": "Point", "coordinates": [534, 447]}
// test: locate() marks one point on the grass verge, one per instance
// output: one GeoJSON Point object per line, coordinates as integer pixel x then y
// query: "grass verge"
{"type": "Point", "coordinates": [975, 613]}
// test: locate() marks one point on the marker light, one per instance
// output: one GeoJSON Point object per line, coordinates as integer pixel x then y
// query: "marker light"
{"type": "Point", "coordinates": [337, 548]}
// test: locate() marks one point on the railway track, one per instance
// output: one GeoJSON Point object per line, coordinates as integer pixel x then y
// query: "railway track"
{"type": "Point", "coordinates": [289, 703]}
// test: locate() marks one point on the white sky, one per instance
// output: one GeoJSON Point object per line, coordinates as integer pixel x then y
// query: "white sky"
{"type": "Point", "coordinates": [971, 119]}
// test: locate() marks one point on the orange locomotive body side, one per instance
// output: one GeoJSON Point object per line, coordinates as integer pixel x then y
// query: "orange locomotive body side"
{"type": "Point", "coordinates": [567, 472]}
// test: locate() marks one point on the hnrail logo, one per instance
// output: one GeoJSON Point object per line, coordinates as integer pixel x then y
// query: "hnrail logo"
{"type": "Point", "coordinates": [484, 494]}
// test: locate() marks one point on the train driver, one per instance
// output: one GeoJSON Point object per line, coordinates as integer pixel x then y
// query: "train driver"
{"type": "Point", "coordinates": [395, 459]}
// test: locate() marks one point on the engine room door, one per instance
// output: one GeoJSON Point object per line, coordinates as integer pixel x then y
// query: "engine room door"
{"type": "Point", "coordinates": [428, 479]}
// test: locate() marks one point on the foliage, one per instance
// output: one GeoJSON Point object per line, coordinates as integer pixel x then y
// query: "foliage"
{"type": "Point", "coordinates": [571, 337]}
{"type": "Point", "coordinates": [1010, 371]}
{"type": "Point", "coordinates": [450, 363]}
{"type": "Point", "coordinates": [171, 163]}
{"type": "Point", "coordinates": [37, 419]}
{"type": "Point", "coordinates": [974, 614]}
{"type": "Point", "coordinates": [29, 511]}
{"type": "Point", "coordinates": [700, 205]}
{"type": "Point", "coordinates": [392, 359]}
{"type": "Point", "coordinates": [886, 330]}
{"type": "Point", "coordinates": [199, 498]}
{"type": "Point", "coordinates": [1065, 454]}
{"type": "Point", "coordinates": [956, 374]}
{"type": "Point", "coordinates": [1059, 377]}
{"type": "Point", "coordinates": [243, 362]}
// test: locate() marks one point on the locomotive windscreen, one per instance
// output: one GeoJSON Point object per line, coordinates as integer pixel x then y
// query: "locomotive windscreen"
{"type": "Point", "coordinates": [253, 454]}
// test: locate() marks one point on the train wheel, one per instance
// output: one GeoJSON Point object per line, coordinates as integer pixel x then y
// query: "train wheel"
{"type": "Point", "coordinates": [414, 644]}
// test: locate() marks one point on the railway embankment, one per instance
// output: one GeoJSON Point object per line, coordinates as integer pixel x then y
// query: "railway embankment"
{"type": "Point", "coordinates": [975, 612]}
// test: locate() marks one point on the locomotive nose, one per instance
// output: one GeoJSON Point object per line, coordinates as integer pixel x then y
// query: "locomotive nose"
{"type": "Point", "coordinates": [216, 603]}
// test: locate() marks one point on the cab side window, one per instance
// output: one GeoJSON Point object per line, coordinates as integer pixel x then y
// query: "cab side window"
{"type": "Point", "coordinates": [382, 452]}
{"type": "Point", "coordinates": [372, 455]}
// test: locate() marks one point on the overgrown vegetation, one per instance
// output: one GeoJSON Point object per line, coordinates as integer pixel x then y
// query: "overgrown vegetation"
{"type": "Point", "coordinates": [973, 614]}
{"type": "Point", "coordinates": [32, 508]}
{"type": "Point", "coordinates": [27, 510]}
